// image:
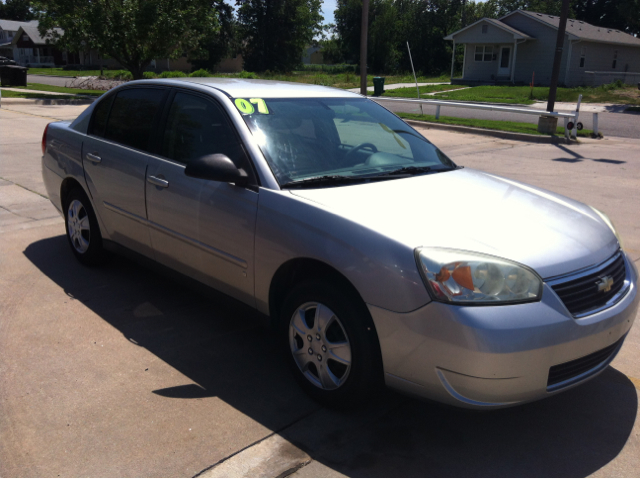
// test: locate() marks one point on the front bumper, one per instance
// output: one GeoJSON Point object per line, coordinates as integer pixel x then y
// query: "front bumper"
{"type": "Point", "coordinates": [496, 356]}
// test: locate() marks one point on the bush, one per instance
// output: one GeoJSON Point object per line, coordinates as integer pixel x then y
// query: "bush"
{"type": "Point", "coordinates": [149, 75]}
{"type": "Point", "coordinates": [200, 73]}
{"type": "Point", "coordinates": [172, 74]}
{"type": "Point", "coordinates": [250, 75]}
{"type": "Point", "coordinates": [122, 75]}
{"type": "Point", "coordinates": [342, 68]}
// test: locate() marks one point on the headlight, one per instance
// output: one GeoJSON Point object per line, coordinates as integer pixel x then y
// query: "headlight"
{"type": "Point", "coordinates": [609, 223]}
{"type": "Point", "coordinates": [472, 278]}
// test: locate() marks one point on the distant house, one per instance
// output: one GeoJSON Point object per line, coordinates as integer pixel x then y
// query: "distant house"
{"type": "Point", "coordinates": [511, 49]}
{"type": "Point", "coordinates": [8, 30]}
{"type": "Point", "coordinates": [312, 56]}
{"type": "Point", "coordinates": [22, 42]}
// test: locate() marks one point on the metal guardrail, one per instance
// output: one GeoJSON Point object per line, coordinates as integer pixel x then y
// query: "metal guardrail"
{"type": "Point", "coordinates": [507, 109]}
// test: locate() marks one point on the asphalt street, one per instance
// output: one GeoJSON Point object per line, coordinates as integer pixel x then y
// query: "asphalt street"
{"type": "Point", "coordinates": [127, 370]}
{"type": "Point", "coordinates": [611, 123]}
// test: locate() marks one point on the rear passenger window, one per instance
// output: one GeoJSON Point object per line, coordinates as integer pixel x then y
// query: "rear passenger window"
{"type": "Point", "coordinates": [197, 127]}
{"type": "Point", "coordinates": [100, 116]}
{"type": "Point", "coordinates": [132, 116]}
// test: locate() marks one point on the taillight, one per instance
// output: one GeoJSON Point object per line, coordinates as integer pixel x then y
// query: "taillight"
{"type": "Point", "coordinates": [44, 139]}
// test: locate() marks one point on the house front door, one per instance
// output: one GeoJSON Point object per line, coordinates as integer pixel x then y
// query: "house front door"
{"type": "Point", "coordinates": [504, 65]}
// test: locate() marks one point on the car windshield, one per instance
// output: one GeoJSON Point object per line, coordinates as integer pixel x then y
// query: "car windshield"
{"type": "Point", "coordinates": [311, 138]}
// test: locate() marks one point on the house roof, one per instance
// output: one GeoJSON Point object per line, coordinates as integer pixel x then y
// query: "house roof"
{"type": "Point", "coordinates": [13, 26]}
{"type": "Point", "coordinates": [31, 29]}
{"type": "Point", "coordinates": [517, 34]}
{"type": "Point", "coordinates": [582, 30]}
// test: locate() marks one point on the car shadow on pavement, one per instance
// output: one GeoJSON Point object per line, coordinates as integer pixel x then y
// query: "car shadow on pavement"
{"type": "Point", "coordinates": [227, 350]}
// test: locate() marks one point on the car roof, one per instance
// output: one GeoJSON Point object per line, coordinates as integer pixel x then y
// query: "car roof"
{"type": "Point", "coordinates": [245, 88]}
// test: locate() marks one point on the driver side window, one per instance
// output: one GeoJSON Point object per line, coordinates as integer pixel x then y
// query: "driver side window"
{"type": "Point", "coordinates": [197, 127]}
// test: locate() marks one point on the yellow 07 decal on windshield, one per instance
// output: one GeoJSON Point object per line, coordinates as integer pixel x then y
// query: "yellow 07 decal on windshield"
{"type": "Point", "coordinates": [246, 107]}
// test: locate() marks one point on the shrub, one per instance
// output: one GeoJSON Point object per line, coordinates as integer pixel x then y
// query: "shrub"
{"type": "Point", "coordinates": [149, 75]}
{"type": "Point", "coordinates": [342, 68]}
{"type": "Point", "coordinates": [172, 74]}
{"type": "Point", "coordinates": [122, 75]}
{"type": "Point", "coordinates": [250, 75]}
{"type": "Point", "coordinates": [200, 73]}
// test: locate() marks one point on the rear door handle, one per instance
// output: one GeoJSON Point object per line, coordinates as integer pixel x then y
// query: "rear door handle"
{"type": "Point", "coordinates": [158, 181]}
{"type": "Point", "coordinates": [93, 158]}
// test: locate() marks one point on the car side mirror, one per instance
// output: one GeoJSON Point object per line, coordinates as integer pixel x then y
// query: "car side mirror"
{"type": "Point", "coordinates": [217, 167]}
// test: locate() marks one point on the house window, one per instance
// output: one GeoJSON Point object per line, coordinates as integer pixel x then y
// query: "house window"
{"type": "Point", "coordinates": [583, 55]}
{"type": "Point", "coordinates": [615, 59]}
{"type": "Point", "coordinates": [485, 28]}
{"type": "Point", "coordinates": [483, 53]}
{"type": "Point", "coordinates": [25, 38]}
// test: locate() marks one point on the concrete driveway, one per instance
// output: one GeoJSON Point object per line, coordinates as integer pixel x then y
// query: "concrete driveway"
{"type": "Point", "coordinates": [128, 370]}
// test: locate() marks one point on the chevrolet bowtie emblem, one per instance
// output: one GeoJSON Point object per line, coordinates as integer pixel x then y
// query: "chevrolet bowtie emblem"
{"type": "Point", "coordinates": [605, 284]}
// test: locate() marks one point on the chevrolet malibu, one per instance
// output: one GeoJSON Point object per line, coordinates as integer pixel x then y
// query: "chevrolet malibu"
{"type": "Point", "coordinates": [379, 260]}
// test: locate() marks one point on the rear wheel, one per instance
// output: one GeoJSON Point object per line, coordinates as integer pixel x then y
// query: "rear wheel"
{"type": "Point", "coordinates": [82, 228]}
{"type": "Point", "coordinates": [331, 344]}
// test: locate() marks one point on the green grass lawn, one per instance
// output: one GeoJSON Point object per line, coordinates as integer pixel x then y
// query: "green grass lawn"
{"type": "Point", "coordinates": [516, 127]}
{"type": "Point", "coordinates": [411, 92]}
{"type": "Point", "coordinates": [612, 93]}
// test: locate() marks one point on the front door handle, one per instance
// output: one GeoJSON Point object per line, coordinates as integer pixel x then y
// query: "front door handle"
{"type": "Point", "coordinates": [93, 158]}
{"type": "Point", "coordinates": [158, 181]}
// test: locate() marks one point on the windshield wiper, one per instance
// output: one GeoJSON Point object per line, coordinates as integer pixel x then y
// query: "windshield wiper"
{"type": "Point", "coordinates": [322, 180]}
{"type": "Point", "coordinates": [407, 170]}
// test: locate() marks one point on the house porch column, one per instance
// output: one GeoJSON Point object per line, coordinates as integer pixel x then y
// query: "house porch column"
{"type": "Point", "coordinates": [453, 58]}
{"type": "Point", "coordinates": [513, 63]}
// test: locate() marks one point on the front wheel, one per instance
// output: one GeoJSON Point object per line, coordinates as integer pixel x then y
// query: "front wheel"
{"type": "Point", "coordinates": [331, 344]}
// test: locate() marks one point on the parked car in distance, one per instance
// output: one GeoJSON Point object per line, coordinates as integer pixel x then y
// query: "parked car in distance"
{"type": "Point", "coordinates": [6, 61]}
{"type": "Point", "coordinates": [378, 258]}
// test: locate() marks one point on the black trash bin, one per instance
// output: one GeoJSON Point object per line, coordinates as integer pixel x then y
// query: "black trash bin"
{"type": "Point", "coordinates": [378, 86]}
{"type": "Point", "coordinates": [12, 75]}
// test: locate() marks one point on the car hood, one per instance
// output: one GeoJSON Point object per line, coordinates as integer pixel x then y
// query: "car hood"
{"type": "Point", "coordinates": [475, 211]}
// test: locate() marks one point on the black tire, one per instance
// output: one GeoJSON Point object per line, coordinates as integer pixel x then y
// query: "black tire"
{"type": "Point", "coordinates": [364, 376]}
{"type": "Point", "coordinates": [90, 253]}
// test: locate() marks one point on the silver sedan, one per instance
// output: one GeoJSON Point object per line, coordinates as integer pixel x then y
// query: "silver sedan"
{"type": "Point", "coordinates": [379, 260]}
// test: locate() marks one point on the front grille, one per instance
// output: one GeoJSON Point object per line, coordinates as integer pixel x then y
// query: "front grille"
{"type": "Point", "coordinates": [580, 295]}
{"type": "Point", "coordinates": [565, 371]}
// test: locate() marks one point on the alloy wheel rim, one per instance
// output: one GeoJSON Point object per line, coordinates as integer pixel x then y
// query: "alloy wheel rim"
{"type": "Point", "coordinates": [320, 345]}
{"type": "Point", "coordinates": [78, 226]}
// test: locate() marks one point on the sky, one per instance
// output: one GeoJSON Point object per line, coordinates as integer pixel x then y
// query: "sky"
{"type": "Point", "coordinates": [328, 7]}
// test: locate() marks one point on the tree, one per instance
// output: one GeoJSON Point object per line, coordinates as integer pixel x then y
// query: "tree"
{"type": "Point", "coordinates": [133, 32]}
{"type": "Point", "coordinates": [275, 32]}
{"type": "Point", "coordinates": [18, 10]}
{"type": "Point", "coordinates": [331, 45]}
{"type": "Point", "coordinates": [219, 43]}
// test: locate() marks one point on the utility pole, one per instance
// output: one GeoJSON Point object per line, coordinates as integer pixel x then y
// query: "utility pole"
{"type": "Point", "coordinates": [464, 13]}
{"type": "Point", "coordinates": [556, 60]}
{"type": "Point", "coordinates": [363, 46]}
{"type": "Point", "coordinates": [548, 124]}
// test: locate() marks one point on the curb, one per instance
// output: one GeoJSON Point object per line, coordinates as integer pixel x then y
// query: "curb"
{"type": "Point", "coordinates": [47, 101]}
{"type": "Point", "coordinates": [507, 135]}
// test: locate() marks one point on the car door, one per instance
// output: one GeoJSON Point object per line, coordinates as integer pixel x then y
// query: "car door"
{"type": "Point", "coordinates": [115, 159]}
{"type": "Point", "coordinates": [200, 227]}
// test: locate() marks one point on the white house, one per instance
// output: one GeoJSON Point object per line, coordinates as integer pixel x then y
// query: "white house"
{"type": "Point", "coordinates": [522, 43]}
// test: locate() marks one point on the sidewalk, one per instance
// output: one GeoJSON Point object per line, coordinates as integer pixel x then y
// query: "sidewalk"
{"type": "Point", "coordinates": [393, 86]}
{"type": "Point", "coordinates": [40, 92]}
